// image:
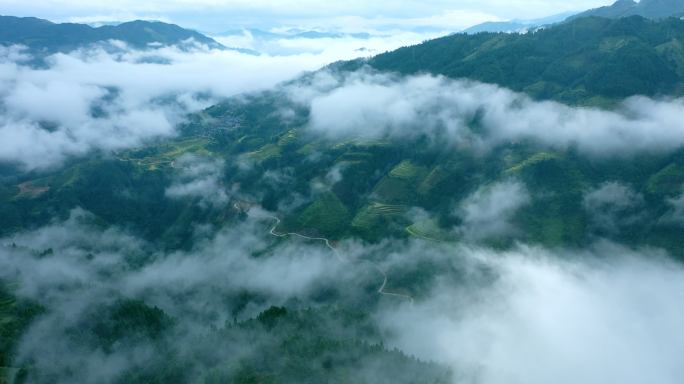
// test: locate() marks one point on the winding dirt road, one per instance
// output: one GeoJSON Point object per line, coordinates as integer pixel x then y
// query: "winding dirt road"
{"type": "Point", "coordinates": [339, 256]}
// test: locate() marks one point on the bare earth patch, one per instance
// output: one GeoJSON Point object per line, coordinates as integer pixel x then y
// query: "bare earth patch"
{"type": "Point", "coordinates": [28, 188]}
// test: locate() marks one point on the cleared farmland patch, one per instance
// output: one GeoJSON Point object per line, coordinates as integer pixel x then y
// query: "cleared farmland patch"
{"type": "Point", "coordinates": [364, 142]}
{"type": "Point", "coordinates": [430, 230]}
{"type": "Point", "coordinates": [355, 157]}
{"type": "Point", "coordinates": [267, 151]}
{"type": "Point", "coordinates": [391, 190]}
{"type": "Point", "coordinates": [310, 148]}
{"type": "Point", "coordinates": [438, 174]}
{"type": "Point", "coordinates": [176, 149]}
{"type": "Point", "coordinates": [538, 158]}
{"type": "Point", "coordinates": [371, 222]}
{"type": "Point", "coordinates": [406, 170]}
{"type": "Point", "coordinates": [28, 189]}
{"type": "Point", "coordinates": [289, 138]}
{"type": "Point", "coordinates": [379, 208]}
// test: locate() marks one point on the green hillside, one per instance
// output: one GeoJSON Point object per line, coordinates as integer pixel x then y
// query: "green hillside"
{"type": "Point", "coordinates": [587, 62]}
{"type": "Point", "coordinates": [651, 9]}
{"type": "Point", "coordinates": [43, 37]}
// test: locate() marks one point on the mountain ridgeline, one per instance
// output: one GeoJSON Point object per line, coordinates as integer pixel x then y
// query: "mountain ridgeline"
{"type": "Point", "coordinates": [650, 9]}
{"type": "Point", "coordinates": [44, 38]}
{"type": "Point", "coordinates": [591, 61]}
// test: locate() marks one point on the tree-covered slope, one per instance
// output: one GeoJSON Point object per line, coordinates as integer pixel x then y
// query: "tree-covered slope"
{"type": "Point", "coordinates": [651, 9]}
{"type": "Point", "coordinates": [588, 62]}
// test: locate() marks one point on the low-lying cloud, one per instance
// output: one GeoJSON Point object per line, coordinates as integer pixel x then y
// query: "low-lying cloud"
{"type": "Point", "coordinates": [202, 179]}
{"type": "Point", "coordinates": [612, 206]}
{"type": "Point", "coordinates": [112, 97]}
{"type": "Point", "coordinates": [488, 211]}
{"type": "Point", "coordinates": [366, 103]}
{"type": "Point", "coordinates": [607, 314]}
{"type": "Point", "coordinates": [547, 320]}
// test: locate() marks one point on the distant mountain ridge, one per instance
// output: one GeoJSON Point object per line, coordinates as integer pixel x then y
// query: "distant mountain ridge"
{"type": "Point", "coordinates": [297, 34]}
{"type": "Point", "coordinates": [517, 25]}
{"type": "Point", "coordinates": [44, 37]}
{"type": "Point", "coordinates": [650, 9]}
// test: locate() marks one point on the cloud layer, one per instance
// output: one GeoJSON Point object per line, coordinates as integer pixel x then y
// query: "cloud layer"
{"type": "Point", "coordinates": [372, 104]}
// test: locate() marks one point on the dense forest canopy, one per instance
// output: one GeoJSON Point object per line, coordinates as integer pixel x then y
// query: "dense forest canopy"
{"type": "Point", "coordinates": [590, 61]}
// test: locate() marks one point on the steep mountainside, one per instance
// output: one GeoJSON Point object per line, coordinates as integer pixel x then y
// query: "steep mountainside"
{"type": "Point", "coordinates": [651, 9]}
{"type": "Point", "coordinates": [589, 62]}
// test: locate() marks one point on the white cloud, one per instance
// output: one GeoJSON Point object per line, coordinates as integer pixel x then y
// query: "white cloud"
{"type": "Point", "coordinates": [368, 103]}
{"type": "Point", "coordinates": [547, 320]}
{"type": "Point", "coordinates": [200, 178]}
{"type": "Point", "coordinates": [612, 206]}
{"type": "Point", "coordinates": [488, 211]}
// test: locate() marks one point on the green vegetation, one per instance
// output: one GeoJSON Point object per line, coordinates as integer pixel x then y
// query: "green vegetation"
{"type": "Point", "coordinates": [328, 215]}
{"type": "Point", "coordinates": [408, 171]}
{"type": "Point", "coordinates": [669, 181]}
{"type": "Point", "coordinates": [391, 190]}
{"type": "Point", "coordinates": [44, 37]}
{"type": "Point", "coordinates": [589, 62]}
{"type": "Point", "coordinates": [430, 230]}
{"type": "Point", "coordinates": [310, 148]}
{"type": "Point", "coordinates": [15, 316]}
{"type": "Point", "coordinates": [432, 180]}
{"type": "Point", "coordinates": [268, 151]}
{"type": "Point", "coordinates": [539, 157]}
{"type": "Point", "coordinates": [376, 220]}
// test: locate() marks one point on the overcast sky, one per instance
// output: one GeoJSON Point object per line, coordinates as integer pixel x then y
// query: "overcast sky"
{"type": "Point", "coordinates": [218, 15]}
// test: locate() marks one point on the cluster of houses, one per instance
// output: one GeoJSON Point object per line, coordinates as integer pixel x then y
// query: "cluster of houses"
{"type": "Point", "coordinates": [225, 122]}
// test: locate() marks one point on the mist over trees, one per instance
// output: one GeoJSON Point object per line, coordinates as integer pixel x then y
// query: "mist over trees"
{"type": "Point", "coordinates": [487, 208]}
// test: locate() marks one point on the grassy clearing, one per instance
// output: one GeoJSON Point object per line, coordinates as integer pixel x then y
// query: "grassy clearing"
{"type": "Point", "coordinates": [310, 148]}
{"type": "Point", "coordinates": [538, 158]}
{"type": "Point", "coordinates": [430, 230]}
{"type": "Point", "coordinates": [176, 149]}
{"type": "Point", "coordinates": [438, 174]}
{"type": "Point", "coordinates": [267, 151]}
{"type": "Point", "coordinates": [391, 190]}
{"type": "Point", "coordinates": [408, 171]}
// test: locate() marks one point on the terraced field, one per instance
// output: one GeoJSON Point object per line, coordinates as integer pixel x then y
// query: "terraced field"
{"type": "Point", "coordinates": [430, 230]}
{"type": "Point", "coordinates": [408, 171]}
{"type": "Point", "coordinates": [310, 148]}
{"type": "Point", "coordinates": [386, 209]}
{"type": "Point", "coordinates": [176, 149]}
{"type": "Point", "coordinates": [364, 142]}
{"type": "Point", "coordinates": [289, 138]}
{"type": "Point", "coordinates": [438, 174]}
{"type": "Point", "coordinates": [538, 158]}
{"type": "Point", "coordinates": [355, 157]}
{"type": "Point", "coordinates": [391, 189]}
{"type": "Point", "coordinates": [264, 153]}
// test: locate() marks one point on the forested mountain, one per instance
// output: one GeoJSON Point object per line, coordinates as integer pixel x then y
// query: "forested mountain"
{"type": "Point", "coordinates": [588, 62]}
{"type": "Point", "coordinates": [651, 9]}
{"type": "Point", "coordinates": [516, 25]}
{"type": "Point", "coordinates": [43, 36]}
{"type": "Point", "coordinates": [289, 235]}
